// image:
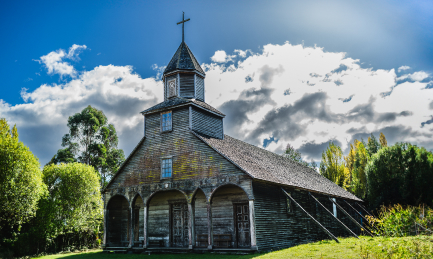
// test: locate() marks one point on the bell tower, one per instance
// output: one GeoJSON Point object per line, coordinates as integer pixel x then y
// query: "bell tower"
{"type": "Point", "coordinates": [183, 76]}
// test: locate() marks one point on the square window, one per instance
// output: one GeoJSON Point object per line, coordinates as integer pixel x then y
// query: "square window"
{"type": "Point", "coordinates": [166, 167]}
{"type": "Point", "coordinates": [166, 121]}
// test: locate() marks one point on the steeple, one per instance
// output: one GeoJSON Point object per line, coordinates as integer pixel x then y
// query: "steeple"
{"type": "Point", "coordinates": [183, 76]}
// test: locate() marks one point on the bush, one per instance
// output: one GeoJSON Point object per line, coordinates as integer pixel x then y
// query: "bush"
{"type": "Point", "coordinates": [399, 221]}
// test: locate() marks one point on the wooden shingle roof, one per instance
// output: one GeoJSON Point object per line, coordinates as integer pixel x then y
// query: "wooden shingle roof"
{"type": "Point", "coordinates": [264, 165]}
{"type": "Point", "coordinates": [183, 59]}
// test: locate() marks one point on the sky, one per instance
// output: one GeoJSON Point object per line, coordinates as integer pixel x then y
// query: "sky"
{"type": "Point", "coordinates": [304, 73]}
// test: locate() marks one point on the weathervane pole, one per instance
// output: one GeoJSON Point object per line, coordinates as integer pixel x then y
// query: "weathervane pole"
{"type": "Point", "coordinates": [183, 25]}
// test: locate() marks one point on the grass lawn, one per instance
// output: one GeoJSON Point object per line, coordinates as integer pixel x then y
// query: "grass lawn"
{"type": "Point", "coordinates": [365, 247]}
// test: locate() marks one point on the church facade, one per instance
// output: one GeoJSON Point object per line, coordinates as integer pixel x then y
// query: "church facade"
{"type": "Point", "coordinates": [188, 186]}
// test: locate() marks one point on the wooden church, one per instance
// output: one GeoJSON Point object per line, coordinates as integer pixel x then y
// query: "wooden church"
{"type": "Point", "coordinates": [188, 186]}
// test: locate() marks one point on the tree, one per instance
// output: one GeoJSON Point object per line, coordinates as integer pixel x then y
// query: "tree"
{"type": "Point", "coordinates": [91, 140]}
{"type": "Point", "coordinates": [21, 184]}
{"type": "Point", "coordinates": [332, 165]}
{"type": "Point", "coordinates": [74, 203]}
{"type": "Point", "coordinates": [359, 185]}
{"type": "Point", "coordinates": [372, 145]}
{"type": "Point", "coordinates": [294, 154]}
{"type": "Point", "coordinates": [402, 173]}
{"type": "Point", "coordinates": [382, 140]}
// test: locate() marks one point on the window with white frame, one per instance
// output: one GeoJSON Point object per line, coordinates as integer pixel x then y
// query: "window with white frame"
{"type": "Point", "coordinates": [334, 207]}
{"type": "Point", "coordinates": [166, 121]}
{"type": "Point", "coordinates": [166, 167]}
{"type": "Point", "coordinates": [172, 91]}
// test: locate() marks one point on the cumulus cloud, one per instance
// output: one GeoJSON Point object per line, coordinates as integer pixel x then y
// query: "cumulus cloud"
{"type": "Point", "coordinates": [402, 68]}
{"type": "Point", "coordinates": [284, 94]}
{"type": "Point", "coordinates": [221, 56]}
{"type": "Point", "coordinates": [116, 90]}
{"type": "Point", "coordinates": [416, 76]}
{"type": "Point", "coordinates": [308, 97]}
{"type": "Point", "coordinates": [55, 64]}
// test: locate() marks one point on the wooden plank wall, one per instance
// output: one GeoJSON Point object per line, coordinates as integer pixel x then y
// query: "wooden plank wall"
{"type": "Point", "coordinates": [138, 219]}
{"type": "Point", "coordinates": [158, 222]}
{"type": "Point", "coordinates": [186, 85]}
{"type": "Point", "coordinates": [276, 229]}
{"type": "Point", "coordinates": [199, 84]}
{"type": "Point", "coordinates": [200, 216]}
{"type": "Point", "coordinates": [222, 210]}
{"type": "Point", "coordinates": [207, 123]}
{"type": "Point", "coordinates": [192, 158]}
{"type": "Point", "coordinates": [118, 222]}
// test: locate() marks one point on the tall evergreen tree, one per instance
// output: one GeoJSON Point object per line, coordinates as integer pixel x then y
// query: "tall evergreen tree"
{"type": "Point", "coordinates": [294, 154]}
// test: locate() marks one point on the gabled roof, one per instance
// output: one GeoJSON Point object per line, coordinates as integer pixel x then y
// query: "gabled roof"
{"type": "Point", "coordinates": [183, 59]}
{"type": "Point", "coordinates": [264, 165]}
{"type": "Point", "coordinates": [179, 101]}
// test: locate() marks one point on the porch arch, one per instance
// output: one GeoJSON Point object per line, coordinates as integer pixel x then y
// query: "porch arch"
{"type": "Point", "coordinates": [167, 219]}
{"type": "Point", "coordinates": [231, 217]}
{"type": "Point", "coordinates": [118, 221]}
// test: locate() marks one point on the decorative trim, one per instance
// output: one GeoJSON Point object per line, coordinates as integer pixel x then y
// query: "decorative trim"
{"type": "Point", "coordinates": [195, 83]}
{"type": "Point", "coordinates": [144, 117]}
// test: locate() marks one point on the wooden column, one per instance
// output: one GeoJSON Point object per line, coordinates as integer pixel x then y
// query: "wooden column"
{"type": "Point", "coordinates": [145, 239]}
{"type": "Point", "coordinates": [209, 226]}
{"type": "Point", "coordinates": [131, 227]}
{"type": "Point", "coordinates": [191, 225]}
{"type": "Point", "coordinates": [105, 228]}
{"type": "Point", "coordinates": [252, 225]}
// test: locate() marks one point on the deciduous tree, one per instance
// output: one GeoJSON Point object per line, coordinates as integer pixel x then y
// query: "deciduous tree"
{"type": "Point", "coordinates": [91, 140]}
{"type": "Point", "coordinates": [21, 184]}
{"type": "Point", "coordinates": [332, 165]}
{"type": "Point", "coordinates": [382, 140]}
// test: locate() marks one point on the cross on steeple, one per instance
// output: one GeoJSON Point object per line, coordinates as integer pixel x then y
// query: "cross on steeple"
{"type": "Point", "coordinates": [183, 24]}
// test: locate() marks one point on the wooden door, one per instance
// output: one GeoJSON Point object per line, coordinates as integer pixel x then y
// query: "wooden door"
{"type": "Point", "coordinates": [242, 219]}
{"type": "Point", "coordinates": [179, 225]}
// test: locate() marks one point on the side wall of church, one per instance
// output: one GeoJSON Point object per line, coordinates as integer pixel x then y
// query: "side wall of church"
{"type": "Point", "coordinates": [276, 228]}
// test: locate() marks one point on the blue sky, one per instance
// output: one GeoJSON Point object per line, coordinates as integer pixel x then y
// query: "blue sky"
{"type": "Point", "coordinates": [137, 36]}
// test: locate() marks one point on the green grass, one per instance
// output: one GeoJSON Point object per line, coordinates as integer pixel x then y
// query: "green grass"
{"type": "Point", "coordinates": [365, 247]}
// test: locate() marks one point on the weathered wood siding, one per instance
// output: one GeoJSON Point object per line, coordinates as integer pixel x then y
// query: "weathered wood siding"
{"type": "Point", "coordinates": [118, 221]}
{"type": "Point", "coordinates": [222, 210]}
{"type": "Point", "coordinates": [276, 228]}
{"type": "Point", "coordinates": [207, 123]}
{"type": "Point", "coordinates": [200, 216]}
{"type": "Point", "coordinates": [192, 159]}
{"type": "Point", "coordinates": [158, 223]}
{"type": "Point", "coordinates": [199, 84]}
{"type": "Point", "coordinates": [187, 85]}
{"type": "Point", "coordinates": [138, 209]}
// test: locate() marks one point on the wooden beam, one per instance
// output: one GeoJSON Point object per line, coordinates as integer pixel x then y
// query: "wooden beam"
{"type": "Point", "coordinates": [350, 217]}
{"type": "Point", "coordinates": [363, 208]}
{"type": "Point", "coordinates": [348, 229]}
{"type": "Point", "coordinates": [361, 215]}
{"type": "Point", "coordinates": [312, 218]}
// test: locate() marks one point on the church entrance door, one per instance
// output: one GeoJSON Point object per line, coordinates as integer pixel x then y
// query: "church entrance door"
{"type": "Point", "coordinates": [179, 225]}
{"type": "Point", "coordinates": [242, 220]}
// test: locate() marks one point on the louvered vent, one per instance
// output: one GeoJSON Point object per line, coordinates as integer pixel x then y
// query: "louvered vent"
{"type": "Point", "coordinates": [187, 85]}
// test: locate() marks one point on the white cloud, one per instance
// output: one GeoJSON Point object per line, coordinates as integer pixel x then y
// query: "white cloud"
{"type": "Point", "coordinates": [416, 76]}
{"type": "Point", "coordinates": [221, 56]}
{"type": "Point", "coordinates": [402, 68]}
{"type": "Point", "coordinates": [54, 63]}
{"type": "Point", "coordinates": [315, 111]}
{"type": "Point", "coordinates": [116, 90]}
